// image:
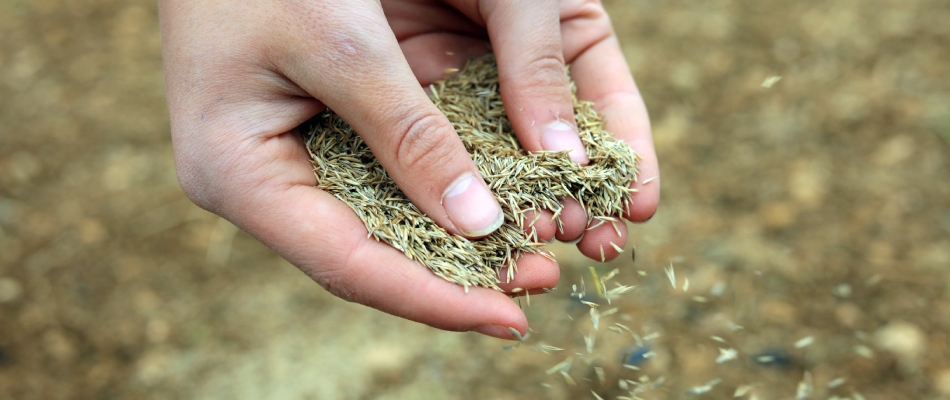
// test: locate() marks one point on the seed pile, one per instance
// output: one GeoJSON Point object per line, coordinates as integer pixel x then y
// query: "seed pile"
{"type": "Point", "coordinates": [345, 167]}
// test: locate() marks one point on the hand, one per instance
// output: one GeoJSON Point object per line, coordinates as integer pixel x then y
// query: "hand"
{"type": "Point", "coordinates": [241, 76]}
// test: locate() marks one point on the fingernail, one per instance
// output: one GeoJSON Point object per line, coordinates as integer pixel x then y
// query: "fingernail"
{"type": "Point", "coordinates": [472, 207]}
{"type": "Point", "coordinates": [497, 331]}
{"type": "Point", "coordinates": [560, 136]}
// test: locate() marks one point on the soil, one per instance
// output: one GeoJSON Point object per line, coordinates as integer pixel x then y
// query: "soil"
{"type": "Point", "coordinates": [811, 220]}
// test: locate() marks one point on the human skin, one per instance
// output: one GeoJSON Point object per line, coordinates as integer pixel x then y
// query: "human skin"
{"type": "Point", "coordinates": [241, 76]}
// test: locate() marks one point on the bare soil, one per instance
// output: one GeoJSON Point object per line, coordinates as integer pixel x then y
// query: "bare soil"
{"type": "Point", "coordinates": [817, 208]}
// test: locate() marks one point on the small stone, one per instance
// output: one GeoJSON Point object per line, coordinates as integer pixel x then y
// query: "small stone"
{"type": "Point", "coordinates": [157, 330]}
{"type": "Point", "coordinates": [843, 290]}
{"type": "Point", "coordinates": [903, 339]}
{"type": "Point", "coordinates": [58, 345]}
{"type": "Point", "coordinates": [848, 314]}
{"type": "Point", "coordinates": [941, 381]}
{"type": "Point", "coordinates": [10, 290]}
{"type": "Point", "coordinates": [779, 312]}
{"type": "Point", "coordinates": [778, 215]}
{"type": "Point", "coordinates": [896, 150]}
{"type": "Point", "coordinates": [386, 362]}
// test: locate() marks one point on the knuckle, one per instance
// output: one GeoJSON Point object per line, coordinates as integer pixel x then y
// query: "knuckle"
{"type": "Point", "coordinates": [196, 188]}
{"type": "Point", "coordinates": [546, 70]}
{"type": "Point", "coordinates": [338, 278]}
{"type": "Point", "coordinates": [336, 282]}
{"type": "Point", "coordinates": [426, 140]}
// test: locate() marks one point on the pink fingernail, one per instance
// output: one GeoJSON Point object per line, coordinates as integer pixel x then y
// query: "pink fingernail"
{"type": "Point", "coordinates": [560, 136]}
{"type": "Point", "coordinates": [472, 207]}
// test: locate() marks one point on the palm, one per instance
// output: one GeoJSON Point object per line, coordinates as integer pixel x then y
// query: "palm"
{"type": "Point", "coordinates": [434, 36]}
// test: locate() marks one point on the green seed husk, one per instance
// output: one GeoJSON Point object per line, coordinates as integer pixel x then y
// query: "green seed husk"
{"type": "Point", "coordinates": [346, 168]}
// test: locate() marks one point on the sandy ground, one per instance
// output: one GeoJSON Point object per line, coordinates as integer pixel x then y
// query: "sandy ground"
{"type": "Point", "coordinates": [811, 220]}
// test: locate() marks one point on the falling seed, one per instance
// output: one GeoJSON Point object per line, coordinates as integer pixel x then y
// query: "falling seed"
{"type": "Point", "coordinates": [726, 355]}
{"type": "Point", "coordinates": [596, 396]}
{"type": "Point", "coordinates": [568, 379]}
{"type": "Point", "coordinates": [449, 71]}
{"type": "Point", "coordinates": [561, 366]}
{"type": "Point", "coordinates": [843, 290]}
{"type": "Point", "coordinates": [590, 304]}
{"type": "Point", "coordinates": [836, 382]}
{"type": "Point", "coordinates": [633, 254]}
{"type": "Point", "coordinates": [601, 376]}
{"type": "Point", "coordinates": [624, 327]}
{"type": "Point", "coordinates": [805, 388]}
{"type": "Point", "coordinates": [772, 80]}
{"type": "Point", "coordinates": [514, 332]}
{"type": "Point", "coordinates": [597, 284]}
{"type": "Point", "coordinates": [589, 342]}
{"type": "Point", "coordinates": [595, 317]}
{"type": "Point", "coordinates": [703, 388]}
{"type": "Point", "coordinates": [670, 273]}
{"type": "Point", "coordinates": [863, 351]}
{"type": "Point", "coordinates": [804, 342]}
{"type": "Point", "coordinates": [686, 284]}
{"type": "Point", "coordinates": [742, 390]}
{"type": "Point", "coordinates": [547, 348]}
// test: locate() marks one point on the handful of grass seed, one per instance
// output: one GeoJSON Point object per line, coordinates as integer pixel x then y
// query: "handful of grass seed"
{"type": "Point", "coordinates": [521, 182]}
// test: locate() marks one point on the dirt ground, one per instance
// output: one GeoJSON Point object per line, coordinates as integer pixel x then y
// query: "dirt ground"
{"type": "Point", "coordinates": [811, 220]}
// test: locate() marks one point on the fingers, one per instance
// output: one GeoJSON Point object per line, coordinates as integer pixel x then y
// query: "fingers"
{"type": "Point", "coordinates": [535, 273]}
{"type": "Point", "coordinates": [603, 240]}
{"type": "Point", "coordinates": [354, 65]}
{"type": "Point", "coordinates": [602, 76]}
{"type": "Point", "coordinates": [433, 57]}
{"type": "Point", "coordinates": [540, 226]}
{"type": "Point", "coordinates": [573, 221]}
{"type": "Point", "coordinates": [336, 253]}
{"type": "Point", "coordinates": [534, 86]}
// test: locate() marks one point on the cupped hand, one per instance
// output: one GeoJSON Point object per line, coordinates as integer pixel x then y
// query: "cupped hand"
{"type": "Point", "coordinates": [241, 76]}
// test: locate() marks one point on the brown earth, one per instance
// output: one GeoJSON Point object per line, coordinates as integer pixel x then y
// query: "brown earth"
{"type": "Point", "coordinates": [818, 208]}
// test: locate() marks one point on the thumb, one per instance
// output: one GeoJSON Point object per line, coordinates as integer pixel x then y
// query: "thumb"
{"type": "Point", "coordinates": [354, 65]}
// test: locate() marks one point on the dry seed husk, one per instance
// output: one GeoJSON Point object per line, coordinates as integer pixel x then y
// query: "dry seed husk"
{"type": "Point", "coordinates": [345, 167]}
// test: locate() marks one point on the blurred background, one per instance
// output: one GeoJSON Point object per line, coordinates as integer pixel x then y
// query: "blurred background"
{"type": "Point", "coordinates": [810, 218]}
